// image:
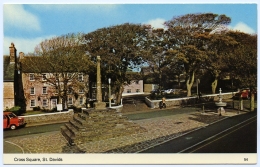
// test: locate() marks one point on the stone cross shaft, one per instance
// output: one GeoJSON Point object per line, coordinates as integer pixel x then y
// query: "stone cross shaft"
{"type": "Point", "coordinates": [99, 89]}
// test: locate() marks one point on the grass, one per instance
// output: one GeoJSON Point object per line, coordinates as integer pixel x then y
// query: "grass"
{"type": "Point", "coordinates": [33, 113]}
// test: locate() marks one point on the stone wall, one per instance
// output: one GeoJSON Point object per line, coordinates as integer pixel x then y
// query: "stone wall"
{"type": "Point", "coordinates": [8, 95]}
{"type": "Point", "coordinates": [186, 100]}
{"type": "Point", "coordinates": [117, 108]}
{"type": "Point", "coordinates": [48, 118]}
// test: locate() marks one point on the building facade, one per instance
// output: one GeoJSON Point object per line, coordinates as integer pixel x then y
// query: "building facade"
{"type": "Point", "coordinates": [42, 94]}
{"type": "Point", "coordinates": [135, 87]}
{"type": "Point", "coordinates": [12, 92]}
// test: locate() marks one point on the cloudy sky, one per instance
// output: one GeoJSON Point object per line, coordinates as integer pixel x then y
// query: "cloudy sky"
{"type": "Point", "coordinates": [26, 24]}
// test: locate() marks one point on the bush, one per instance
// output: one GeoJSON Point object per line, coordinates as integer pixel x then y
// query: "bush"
{"type": "Point", "coordinates": [36, 108]}
{"type": "Point", "coordinates": [54, 109]}
{"type": "Point", "coordinates": [16, 110]}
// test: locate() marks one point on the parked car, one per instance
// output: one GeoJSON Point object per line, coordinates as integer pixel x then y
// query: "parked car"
{"type": "Point", "coordinates": [173, 91]}
{"type": "Point", "coordinates": [11, 121]}
{"type": "Point", "coordinates": [169, 91]}
{"type": "Point", "coordinates": [157, 91]}
{"type": "Point", "coordinates": [244, 93]}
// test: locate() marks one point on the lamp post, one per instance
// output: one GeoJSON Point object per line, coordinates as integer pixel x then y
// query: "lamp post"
{"type": "Point", "coordinates": [109, 91]}
{"type": "Point", "coordinates": [198, 81]}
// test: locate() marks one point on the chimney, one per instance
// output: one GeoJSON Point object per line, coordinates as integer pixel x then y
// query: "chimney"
{"type": "Point", "coordinates": [12, 53]}
{"type": "Point", "coordinates": [21, 55]}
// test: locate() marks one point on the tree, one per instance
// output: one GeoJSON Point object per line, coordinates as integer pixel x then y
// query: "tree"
{"type": "Point", "coordinates": [242, 61]}
{"type": "Point", "coordinates": [218, 46]}
{"type": "Point", "coordinates": [120, 48]}
{"type": "Point", "coordinates": [187, 46]}
{"type": "Point", "coordinates": [156, 56]}
{"type": "Point", "coordinates": [62, 59]}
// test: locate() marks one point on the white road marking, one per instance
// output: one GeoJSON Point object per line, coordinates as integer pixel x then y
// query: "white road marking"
{"type": "Point", "coordinates": [15, 145]}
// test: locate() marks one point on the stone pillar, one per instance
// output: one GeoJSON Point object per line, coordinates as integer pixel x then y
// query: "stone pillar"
{"type": "Point", "coordinates": [99, 104]}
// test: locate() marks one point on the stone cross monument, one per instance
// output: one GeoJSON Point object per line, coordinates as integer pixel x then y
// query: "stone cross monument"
{"type": "Point", "coordinates": [99, 104]}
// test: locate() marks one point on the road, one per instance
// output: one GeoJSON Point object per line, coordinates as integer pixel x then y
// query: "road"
{"type": "Point", "coordinates": [233, 135]}
{"type": "Point", "coordinates": [239, 139]}
{"type": "Point", "coordinates": [32, 130]}
{"type": "Point", "coordinates": [56, 127]}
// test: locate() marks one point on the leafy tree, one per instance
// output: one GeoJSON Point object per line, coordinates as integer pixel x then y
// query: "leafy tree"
{"type": "Point", "coordinates": [187, 45]}
{"type": "Point", "coordinates": [120, 48]}
{"type": "Point", "coordinates": [156, 49]}
{"type": "Point", "coordinates": [242, 61]}
{"type": "Point", "coordinates": [62, 59]}
{"type": "Point", "coordinates": [218, 46]}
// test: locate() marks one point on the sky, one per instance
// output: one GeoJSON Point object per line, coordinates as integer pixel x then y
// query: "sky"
{"type": "Point", "coordinates": [26, 24]}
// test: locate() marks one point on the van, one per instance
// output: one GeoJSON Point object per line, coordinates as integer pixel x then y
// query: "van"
{"type": "Point", "coordinates": [11, 121]}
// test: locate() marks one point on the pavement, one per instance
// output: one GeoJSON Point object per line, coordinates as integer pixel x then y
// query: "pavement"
{"type": "Point", "coordinates": [162, 125]}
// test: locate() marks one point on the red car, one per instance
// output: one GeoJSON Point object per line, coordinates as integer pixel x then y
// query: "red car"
{"type": "Point", "coordinates": [11, 121]}
{"type": "Point", "coordinates": [244, 93]}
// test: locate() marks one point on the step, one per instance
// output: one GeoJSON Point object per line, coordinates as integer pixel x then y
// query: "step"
{"type": "Point", "coordinates": [77, 125]}
{"type": "Point", "coordinates": [68, 136]}
{"type": "Point", "coordinates": [72, 129]}
{"type": "Point", "coordinates": [79, 120]}
{"type": "Point", "coordinates": [82, 116]}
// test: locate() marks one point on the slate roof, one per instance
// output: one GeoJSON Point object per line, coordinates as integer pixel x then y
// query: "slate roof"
{"type": "Point", "coordinates": [8, 69]}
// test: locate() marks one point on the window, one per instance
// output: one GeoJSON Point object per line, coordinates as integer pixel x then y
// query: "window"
{"type": "Point", "coordinates": [31, 77]}
{"type": "Point", "coordinates": [70, 90]}
{"type": "Point", "coordinates": [137, 90]}
{"type": "Point", "coordinates": [44, 77]}
{"type": "Point", "coordinates": [32, 91]}
{"type": "Point", "coordinates": [128, 90]}
{"type": "Point", "coordinates": [33, 103]}
{"type": "Point", "coordinates": [44, 90]}
{"type": "Point", "coordinates": [81, 90]}
{"type": "Point", "coordinates": [81, 100]}
{"type": "Point", "coordinates": [69, 75]}
{"type": "Point", "coordinates": [136, 82]}
{"type": "Point", "coordinates": [70, 101]}
{"type": "Point", "coordinates": [56, 91]}
{"type": "Point", "coordinates": [80, 77]}
{"type": "Point", "coordinates": [44, 102]}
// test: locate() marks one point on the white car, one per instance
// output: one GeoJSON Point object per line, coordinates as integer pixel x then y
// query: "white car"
{"type": "Point", "coordinates": [169, 91]}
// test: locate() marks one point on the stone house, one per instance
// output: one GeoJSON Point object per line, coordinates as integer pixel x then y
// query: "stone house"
{"type": "Point", "coordinates": [12, 90]}
{"type": "Point", "coordinates": [27, 89]}
{"type": "Point", "coordinates": [41, 93]}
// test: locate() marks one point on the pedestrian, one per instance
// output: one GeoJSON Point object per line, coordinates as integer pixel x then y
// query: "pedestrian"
{"type": "Point", "coordinates": [162, 103]}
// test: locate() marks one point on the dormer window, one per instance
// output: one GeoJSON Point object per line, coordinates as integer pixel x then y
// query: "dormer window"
{"type": "Point", "coordinates": [44, 77]}
{"type": "Point", "coordinates": [31, 77]}
{"type": "Point", "coordinates": [80, 77]}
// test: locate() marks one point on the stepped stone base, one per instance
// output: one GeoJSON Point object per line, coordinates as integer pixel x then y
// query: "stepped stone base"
{"type": "Point", "coordinates": [99, 105]}
{"type": "Point", "coordinates": [95, 125]}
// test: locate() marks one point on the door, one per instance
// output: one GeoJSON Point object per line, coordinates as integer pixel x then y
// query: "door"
{"type": "Point", "coordinates": [53, 103]}
{"type": "Point", "coordinates": [5, 122]}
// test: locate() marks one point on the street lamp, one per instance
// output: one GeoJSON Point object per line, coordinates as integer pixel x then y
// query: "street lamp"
{"type": "Point", "coordinates": [198, 81]}
{"type": "Point", "coordinates": [109, 92]}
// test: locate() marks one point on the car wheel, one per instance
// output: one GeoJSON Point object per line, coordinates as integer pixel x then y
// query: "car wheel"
{"type": "Point", "coordinates": [12, 127]}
